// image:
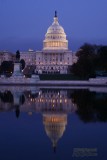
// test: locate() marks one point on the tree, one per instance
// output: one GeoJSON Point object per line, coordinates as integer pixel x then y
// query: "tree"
{"type": "Point", "coordinates": [7, 68]}
{"type": "Point", "coordinates": [0, 70]}
{"type": "Point", "coordinates": [85, 68]}
{"type": "Point", "coordinates": [22, 63]}
{"type": "Point", "coordinates": [7, 97]}
{"type": "Point", "coordinates": [102, 61]}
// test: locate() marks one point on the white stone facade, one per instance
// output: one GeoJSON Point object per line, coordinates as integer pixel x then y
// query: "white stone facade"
{"type": "Point", "coordinates": [55, 56]}
{"type": "Point", "coordinates": [53, 61]}
{"type": "Point", "coordinates": [29, 57]}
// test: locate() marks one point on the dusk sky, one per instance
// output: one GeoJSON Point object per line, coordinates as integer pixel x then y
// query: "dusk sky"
{"type": "Point", "coordinates": [23, 23]}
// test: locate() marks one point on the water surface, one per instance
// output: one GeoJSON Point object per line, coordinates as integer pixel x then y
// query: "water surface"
{"type": "Point", "coordinates": [53, 123]}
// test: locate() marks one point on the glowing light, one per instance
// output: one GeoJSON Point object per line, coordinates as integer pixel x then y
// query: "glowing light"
{"type": "Point", "coordinates": [53, 101]}
{"type": "Point", "coordinates": [30, 113]}
{"type": "Point", "coordinates": [60, 100]}
{"type": "Point", "coordinates": [65, 100]}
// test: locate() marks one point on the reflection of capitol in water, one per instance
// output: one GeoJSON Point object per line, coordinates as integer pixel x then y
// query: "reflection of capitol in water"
{"type": "Point", "coordinates": [54, 126]}
{"type": "Point", "coordinates": [48, 101]}
{"type": "Point", "coordinates": [54, 105]}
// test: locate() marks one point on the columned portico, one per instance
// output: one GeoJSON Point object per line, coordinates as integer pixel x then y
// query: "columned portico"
{"type": "Point", "coordinates": [54, 69]}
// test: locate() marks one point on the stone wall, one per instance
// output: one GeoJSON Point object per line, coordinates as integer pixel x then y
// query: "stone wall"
{"type": "Point", "coordinates": [19, 80]}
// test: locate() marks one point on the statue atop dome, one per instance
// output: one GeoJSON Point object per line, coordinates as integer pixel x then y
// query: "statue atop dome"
{"type": "Point", "coordinates": [55, 13]}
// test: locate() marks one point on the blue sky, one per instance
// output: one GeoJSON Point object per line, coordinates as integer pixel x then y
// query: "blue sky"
{"type": "Point", "coordinates": [23, 23]}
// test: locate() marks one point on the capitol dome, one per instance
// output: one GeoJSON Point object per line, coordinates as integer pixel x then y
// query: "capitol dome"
{"type": "Point", "coordinates": [55, 38]}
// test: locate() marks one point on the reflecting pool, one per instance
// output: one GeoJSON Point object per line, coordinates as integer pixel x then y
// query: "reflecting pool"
{"type": "Point", "coordinates": [53, 123]}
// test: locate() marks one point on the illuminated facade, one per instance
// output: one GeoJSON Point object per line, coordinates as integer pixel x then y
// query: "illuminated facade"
{"type": "Point", "coordinates": [55, 56]}
{"type": "Point", "coordinates": [55, 38]}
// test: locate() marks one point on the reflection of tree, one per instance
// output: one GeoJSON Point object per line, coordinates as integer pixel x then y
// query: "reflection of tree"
{"type": "Point", "coordinates": [22, 99]}
{"type": "Point", "coordinates": [101, 107]}
{"type": "Point", "coordinates": [6, 97]}
{"type": "Point", "coordinates": [91, 106]}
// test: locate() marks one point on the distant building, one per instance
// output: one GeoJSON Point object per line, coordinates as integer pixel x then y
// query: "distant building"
{"type": "Point", "coordinates": [6, 56]}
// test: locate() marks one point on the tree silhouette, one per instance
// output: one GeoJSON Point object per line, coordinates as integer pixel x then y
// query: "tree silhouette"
{"type": "Point", "coordinates": [85, 66]}
{"type": "Point", "coordinates": [22, 63]}
{"type": "Point", "coordinates": [7, 68]}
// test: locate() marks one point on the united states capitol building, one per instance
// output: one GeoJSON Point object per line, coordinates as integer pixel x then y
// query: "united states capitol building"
{"type": "Point", "coordinates": [55, 57]}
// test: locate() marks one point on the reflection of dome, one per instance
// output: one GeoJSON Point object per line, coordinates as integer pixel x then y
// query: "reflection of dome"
{"type": "Point", "coordinates": [55, 37]}
{"type": "Point", "coordinates": [54, 126]}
